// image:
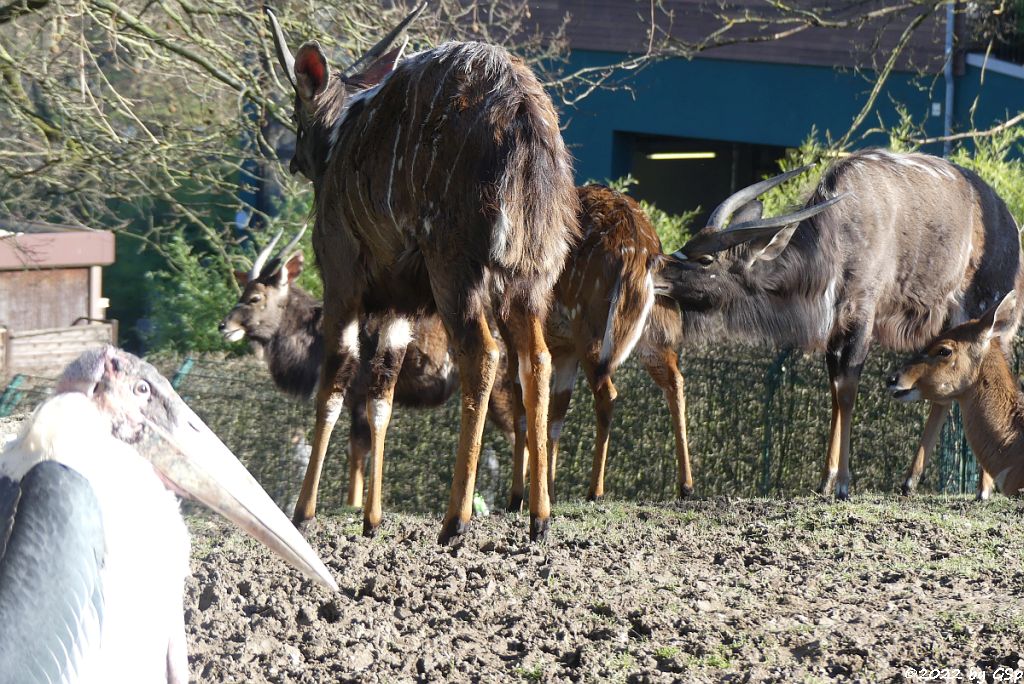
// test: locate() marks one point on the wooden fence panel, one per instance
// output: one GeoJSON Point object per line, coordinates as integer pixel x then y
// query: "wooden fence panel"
{"type": "Point", "coordinates": [46, 352]}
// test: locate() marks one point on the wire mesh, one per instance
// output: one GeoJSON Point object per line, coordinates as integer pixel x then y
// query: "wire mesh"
{"type": "Point", "coordinates": [758, 424]}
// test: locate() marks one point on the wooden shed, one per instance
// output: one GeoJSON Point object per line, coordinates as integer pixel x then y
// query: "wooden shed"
{"type": "Point", "coordinates": [51, 299]}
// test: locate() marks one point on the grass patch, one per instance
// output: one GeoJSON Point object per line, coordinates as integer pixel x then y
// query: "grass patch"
{"type": "Point", "coordinates": [667, 652]}
{"type": "Point", "coordinates": [531, 674]}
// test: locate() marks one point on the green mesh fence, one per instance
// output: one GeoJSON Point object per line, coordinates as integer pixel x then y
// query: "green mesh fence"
{"type": "Point", "coordinates": [758, 424]}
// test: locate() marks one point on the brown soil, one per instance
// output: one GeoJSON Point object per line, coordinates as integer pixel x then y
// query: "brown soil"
{"type": "Point", "coordinates": [714, 590]}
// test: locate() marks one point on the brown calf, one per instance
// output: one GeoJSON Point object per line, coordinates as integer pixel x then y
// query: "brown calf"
{"type": "Point", "coordinates": [967, 364]}
{"type": "Point", "coordinates": [605, 307]}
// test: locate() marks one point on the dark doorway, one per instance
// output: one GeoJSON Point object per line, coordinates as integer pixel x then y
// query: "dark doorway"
{"type": "Point", "coordinates": [680, 174]}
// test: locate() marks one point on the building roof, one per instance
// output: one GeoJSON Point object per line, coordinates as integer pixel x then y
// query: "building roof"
{"type": "Point", "coordinates": [29, 244]}
{"type": "Point", "coordinates": [623, 26]}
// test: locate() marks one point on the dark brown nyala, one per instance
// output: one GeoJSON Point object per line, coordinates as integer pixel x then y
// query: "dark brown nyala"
{"type": "Point", "coordinates": [441, 184]}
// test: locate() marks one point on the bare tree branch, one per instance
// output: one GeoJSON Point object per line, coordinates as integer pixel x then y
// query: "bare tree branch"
{"type": "Point", "coordinates": [18, 8]}
{"type": "Point", "coordinates": [971, 135]}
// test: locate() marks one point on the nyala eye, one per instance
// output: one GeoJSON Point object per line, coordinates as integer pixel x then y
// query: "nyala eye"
{"type": "Point", "coordinates": [255, 299]}
{"type": "Point", "coordinates": [944, 352]}
{"type": "Point", "coordinates": [705, 259]}
{"type": "Point", "coordinates": [142, 388]}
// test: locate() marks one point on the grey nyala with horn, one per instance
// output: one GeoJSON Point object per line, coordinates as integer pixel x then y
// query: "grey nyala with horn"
{"type": "Point", "coordinates": [441, 183]}
{"type": "Point", "coordinates": [890, 248]}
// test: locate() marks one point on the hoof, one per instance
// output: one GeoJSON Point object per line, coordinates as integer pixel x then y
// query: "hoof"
{"type": "Point", "coordinates": [843, 493]}
{"type": "Point", "coordinates": [983, 496]}
{"type": "Point", "coordinates": [908, 487]}
{"type": "Point", "coordinates": [306, 526]}
{"type": "Point", "coordinates": [594, 497]}
{"type": "Point", "coordinates": [539, 528]}
{"type": "Point", "coordinates": [515, 504]}
{"type": "Point", "coordinates": [369, 529]}
{"type": "Point", "coordinates": [685, 491]}
{"type": "Point", "coordinates": [827, 483]}
{"type": "Point", "coordinates": [450, 530]}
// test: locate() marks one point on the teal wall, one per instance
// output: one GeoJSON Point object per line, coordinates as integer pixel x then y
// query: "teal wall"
{"type": "Point", "coordinates": [1002, 97]}
{"type": "Point", "coordinates": [752, 102]}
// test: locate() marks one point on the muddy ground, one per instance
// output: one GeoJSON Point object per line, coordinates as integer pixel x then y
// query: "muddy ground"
{"type": "Point", "coordinates": [713, 590]}
{"type": "Point", "coordinates": [708, 590]}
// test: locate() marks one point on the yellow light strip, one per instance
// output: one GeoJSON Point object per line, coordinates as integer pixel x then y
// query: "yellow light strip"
{"type": "Point", "coordinates": [673, 156]}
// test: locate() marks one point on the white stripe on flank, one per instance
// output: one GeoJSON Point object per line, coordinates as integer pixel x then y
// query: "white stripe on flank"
{"type": "Point", "coordinates": [332, 139]}
{"type": "Point", "coordinates": [430, 113]}
{"type": "Point", "coordinates": [391, 178]}
{"type": "Point", "coordinates": [363, 200]}
{"type": "Point", "coordinates": [609, 323]}
{"type": "Point", "coordinates": [640, 324]}
{"type": "Point", "coordinates": [499, 234]}
{"type": "Point", "coordinates": [413, 114]}
{"type": "Point", "coordinates": [827, 314]}
{"type": "Point", "coordinates": [466, 135]}
{"type": "Point", "coordinates": [359, 193]}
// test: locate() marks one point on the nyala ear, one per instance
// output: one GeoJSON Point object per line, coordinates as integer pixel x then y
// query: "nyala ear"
{"type": "Point", "coordinates": [291, 269]}
{"type": "Point", "coordinates": [1002, 317]}
{"type": "Point", "coordinates": [311, 70]}
{"type": "Point", "coordinates": [751, 211]}
{"type": "Point", "coordinates": [376, 72]}
{"type": "Point", "coordinates": [242, 278]}
{"type": "Point", "coordinates": [767, 250]}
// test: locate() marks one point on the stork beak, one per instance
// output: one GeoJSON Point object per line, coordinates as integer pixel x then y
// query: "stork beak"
{"type": "Point", "coordinates": [193, 461]}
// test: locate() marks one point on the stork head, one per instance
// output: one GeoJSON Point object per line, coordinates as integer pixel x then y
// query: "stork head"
{"type": "Point", "coordinates": [111, 378]}
{"type": "Point", "coordinates": [145, 411]}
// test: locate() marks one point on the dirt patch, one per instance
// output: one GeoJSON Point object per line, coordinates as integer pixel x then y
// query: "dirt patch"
{"type": "Point", "coordinates": [744, 590]}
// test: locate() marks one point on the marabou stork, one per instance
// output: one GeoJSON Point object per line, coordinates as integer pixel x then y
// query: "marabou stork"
{"type": "Point", "coordinates": [93, 549]}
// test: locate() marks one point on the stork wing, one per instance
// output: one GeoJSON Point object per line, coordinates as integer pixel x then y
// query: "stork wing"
{"type": "Point", "coordinates": [51, 554]}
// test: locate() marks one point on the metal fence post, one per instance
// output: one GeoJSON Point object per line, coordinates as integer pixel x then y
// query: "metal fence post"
{"type": "Point", "coordinates": [182, 372]}
{"type": "Point", "coordinates": [11, 396]}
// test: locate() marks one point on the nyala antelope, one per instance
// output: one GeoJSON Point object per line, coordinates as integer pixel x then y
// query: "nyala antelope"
{"type": "Point", "coordinates": [968, 364]}
{"type": "Point", "coordinates": [914, 245]}
{"type": "Point", "coordinates": [439, 182]}
{"type": "Point", "coordinates": [284, 321]}
{"type": "Point", "coordinates": [604, 307]}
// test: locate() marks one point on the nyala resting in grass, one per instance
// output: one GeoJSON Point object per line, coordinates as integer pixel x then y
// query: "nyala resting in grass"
{"type": "Point", "coordinates": [968, 364]}
{"type": "Point", "coordinates": [604, 308]}
{"type": "Point", "coordinates": [284, 321]}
